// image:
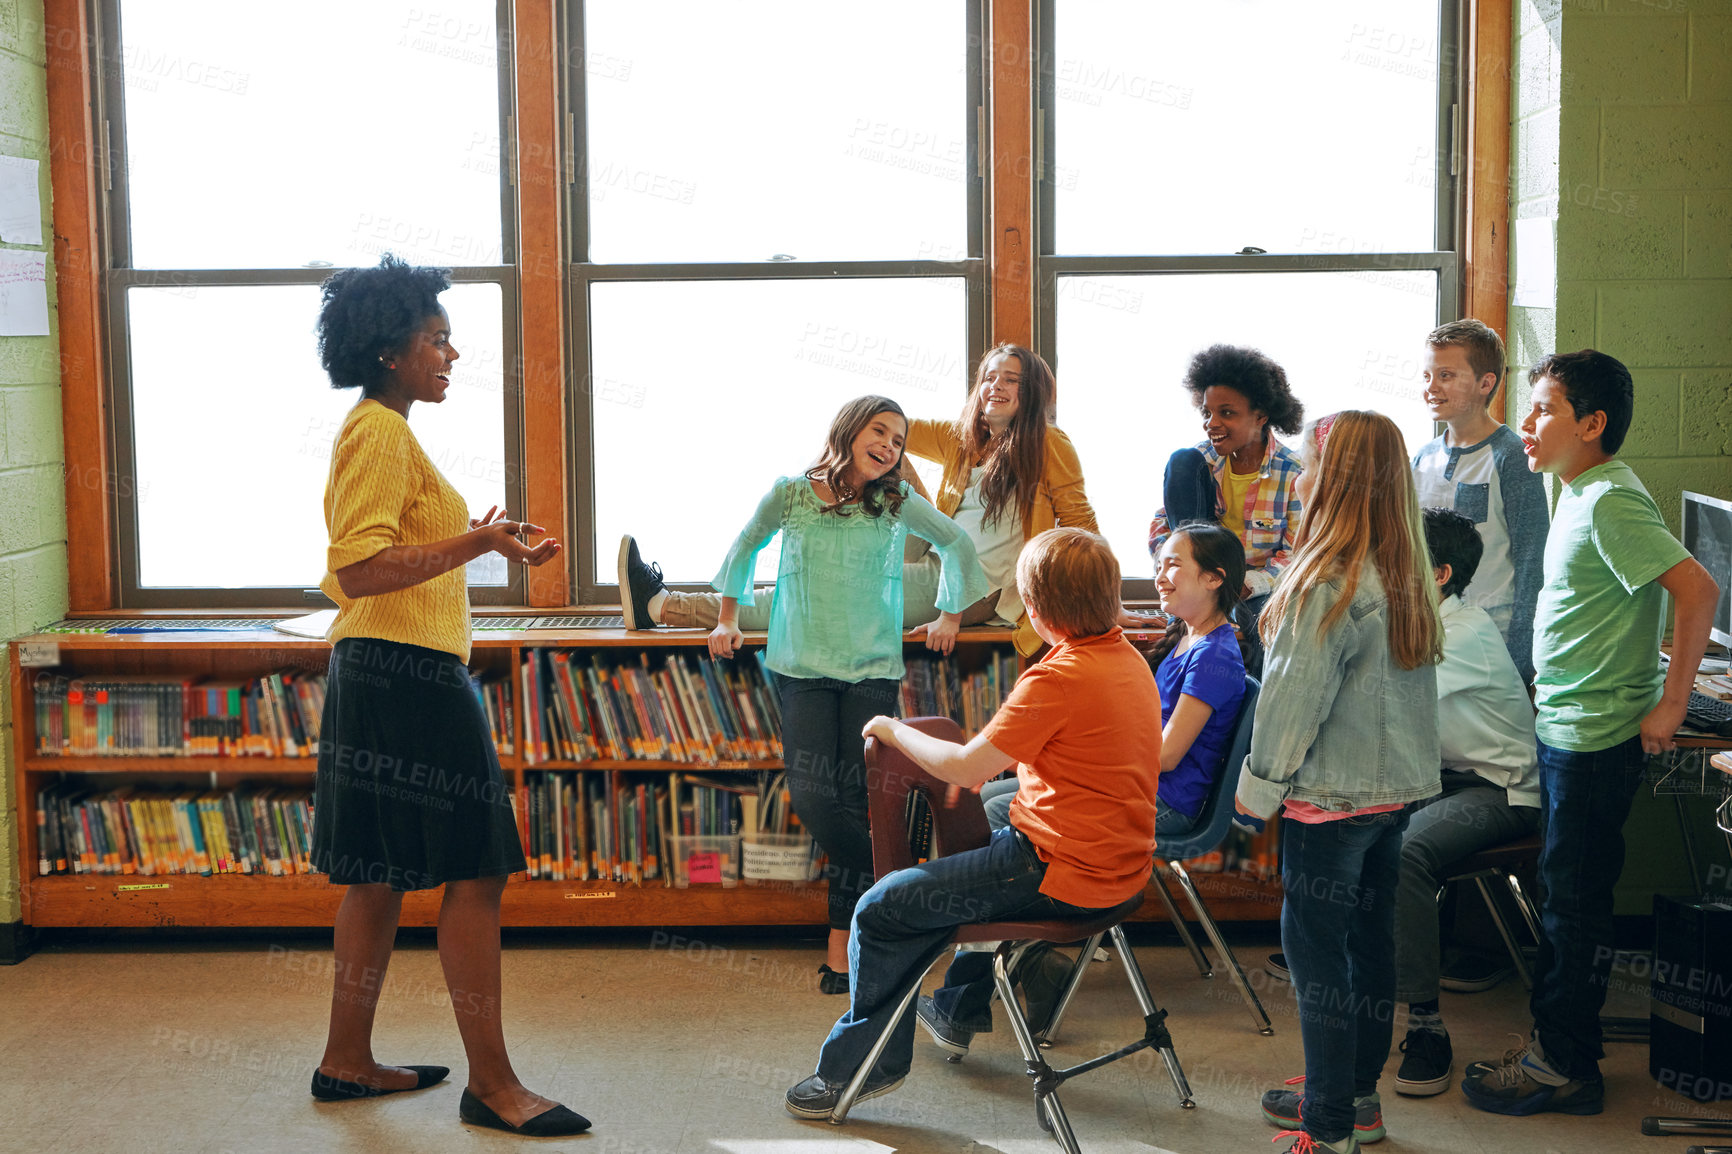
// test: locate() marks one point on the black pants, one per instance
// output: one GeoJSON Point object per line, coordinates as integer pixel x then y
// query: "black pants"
{"type": "Point", "coordinates": [826, 758]}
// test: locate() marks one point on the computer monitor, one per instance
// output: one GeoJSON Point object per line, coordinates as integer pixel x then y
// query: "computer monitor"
{"type": "Point", "coordinates": [1708, 535]}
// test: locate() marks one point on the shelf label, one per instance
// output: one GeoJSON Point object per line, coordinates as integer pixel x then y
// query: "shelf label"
{"type": "Point", "coordinates": [36, 653]}
{"type": "Point", "coordinates": [574, 897]}
{"type": "Point", "coordinates": [151, 886]}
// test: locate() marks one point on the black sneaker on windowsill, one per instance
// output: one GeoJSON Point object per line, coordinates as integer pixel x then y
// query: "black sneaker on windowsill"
{"type": "Point", "coordinates": [638, 583]}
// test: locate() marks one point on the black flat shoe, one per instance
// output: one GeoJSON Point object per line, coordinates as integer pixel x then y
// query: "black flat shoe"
{"type": "Point", "coordinates": [830, 982]}
{"type": "Point", "coordinates": [329, 1089]}
{"type": "Point", "coordinates": [557, 1122]}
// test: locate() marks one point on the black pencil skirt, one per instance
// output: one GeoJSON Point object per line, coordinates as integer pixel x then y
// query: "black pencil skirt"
{"type": "Point", "coordinates": [409, 792]}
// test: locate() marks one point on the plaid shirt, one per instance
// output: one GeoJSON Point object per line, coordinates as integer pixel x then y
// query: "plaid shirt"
{"type": "Point", "coordinates": [1271, 514]}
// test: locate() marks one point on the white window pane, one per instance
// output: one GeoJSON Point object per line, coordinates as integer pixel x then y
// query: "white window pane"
{"type": "Point", "coordinates": [260, 137]}
{"type": "Point", "coordinates": [1204, 128]}
{"type": "Point", "coordinates": [1347, 340]}
{"type": "Point", "coordinates": [690, 433]}
{"type": "Point", "coordinates": [233, 421]}
{"type": "Point", "coordinates": [745, 131]}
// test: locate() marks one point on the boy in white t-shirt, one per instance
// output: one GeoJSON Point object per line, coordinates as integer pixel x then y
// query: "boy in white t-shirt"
{"type": "Point", "coordinates": [1477, 468]}
{"type": "Point", "coordinates": [1491, 791]}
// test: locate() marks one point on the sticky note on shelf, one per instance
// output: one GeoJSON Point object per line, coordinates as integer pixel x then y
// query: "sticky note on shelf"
{"type": "Point", "coordinates": [705, 866]}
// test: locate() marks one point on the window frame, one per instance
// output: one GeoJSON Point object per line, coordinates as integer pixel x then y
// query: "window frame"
{"type": "Point", "coordinates": [542, 166]}
{"type": "Point", "coordinates": [118, 275]}
{"type": "Point", "coordinates": [1445, 258]}
{"type": "Point", "coordinates": [583, 274]}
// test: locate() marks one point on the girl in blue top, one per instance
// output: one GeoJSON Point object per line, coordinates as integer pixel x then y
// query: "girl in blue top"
{"type": "Point", "coordinates": [1199, 667]}
{"type": "Point", "coordinates": [835, 634]}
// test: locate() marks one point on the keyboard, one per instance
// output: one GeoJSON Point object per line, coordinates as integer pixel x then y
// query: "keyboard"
{"type": "Point", "coordinates": [1709, 715]}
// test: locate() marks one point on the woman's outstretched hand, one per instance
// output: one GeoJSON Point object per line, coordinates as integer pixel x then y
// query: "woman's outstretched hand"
{"type": "Point", "coordinates": [507, 538]}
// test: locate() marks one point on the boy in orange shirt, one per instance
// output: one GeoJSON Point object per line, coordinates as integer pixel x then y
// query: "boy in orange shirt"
{"type": "Point", "coordinates": [1083, 729]}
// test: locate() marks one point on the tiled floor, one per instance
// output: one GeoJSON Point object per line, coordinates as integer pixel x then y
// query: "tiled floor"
{"type": "Point", "coordinates": [672, 1045]}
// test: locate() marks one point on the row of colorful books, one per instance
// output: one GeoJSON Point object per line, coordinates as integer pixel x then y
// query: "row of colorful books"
{"type": "Point", "coordinates": [936, 687]}
{"type": "Point", "coordinates": [582, 706]}
{"type": "Point", "coordinates": [144, 715]}
{"type": "Point", "coordinates": [128, 831]}
{"type": "Point", "coordinates": [595, 826]}
{"type": "Point", "coordinates": [680, 707]}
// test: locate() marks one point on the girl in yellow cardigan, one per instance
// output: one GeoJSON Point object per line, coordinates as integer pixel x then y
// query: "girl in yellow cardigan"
{"type": "Point", "coordinates": [1008, 476]}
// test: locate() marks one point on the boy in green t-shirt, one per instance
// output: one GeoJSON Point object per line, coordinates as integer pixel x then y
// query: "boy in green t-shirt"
{"type": "Point", "coordinates": [1603, 708]}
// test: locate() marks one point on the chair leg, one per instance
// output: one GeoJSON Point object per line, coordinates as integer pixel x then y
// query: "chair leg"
{"type": "Point", "coordinates": [1515, 952]}
{"type": "Point", "coordinates": [1146, 1003]}
{"type": "Point", "coordinates": [1523, 903]}
{"type": "Point", "coordinates": [1258, 1014]}
{"type": "Point", "coordinates": [839, 1112]}
{"type": "Point", "coordinates": [1049, 1033]}
{"type": "Point", "coordinates": [1197, 954]}
{"type": "Point", "coordinates": [1049, 1111]}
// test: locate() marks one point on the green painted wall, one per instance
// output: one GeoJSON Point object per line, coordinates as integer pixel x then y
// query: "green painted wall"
{"type": "Point", "coordinates": [32, 499]}
{"type": "Point", "coordinates": [1622, 115]}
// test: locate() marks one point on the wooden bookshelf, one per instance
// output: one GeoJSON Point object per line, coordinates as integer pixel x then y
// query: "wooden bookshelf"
{"type": "Point", "coordinates": [105, 900]}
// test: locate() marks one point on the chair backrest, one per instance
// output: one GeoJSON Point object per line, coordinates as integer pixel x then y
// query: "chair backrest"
{"type": "Point", "coordinates": [1216, 815]}
{"type": "Point", "coordinates": [892, 778]}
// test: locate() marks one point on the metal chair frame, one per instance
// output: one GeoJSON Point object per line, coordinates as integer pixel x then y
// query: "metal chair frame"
{"type": "Point", "coordinates": [961, 826]}
{"type": "Point", "coordinates": [1481, 878]}
{"type": "Point", "coordinates": [1213, 822]}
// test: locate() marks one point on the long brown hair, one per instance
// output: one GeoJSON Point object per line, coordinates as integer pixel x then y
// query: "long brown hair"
{"type": "Point", "coordinates": [881, 495]}
{"type": "Point", "coordinates": [1363, 504]}
{"type": "Point", "coordinates": [1015, 460]}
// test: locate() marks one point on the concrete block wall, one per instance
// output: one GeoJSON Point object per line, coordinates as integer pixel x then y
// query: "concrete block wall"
{"type": "Point", "coordinates": [33, 581]}
{"type": "Point", "coordinates": [1622, 134]}
{"type": "Point", "coordinates": [1644, 235]}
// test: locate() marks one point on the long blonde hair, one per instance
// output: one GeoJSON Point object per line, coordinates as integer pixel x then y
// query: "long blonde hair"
{"type": "Point", "coordinates": [1363, 504]}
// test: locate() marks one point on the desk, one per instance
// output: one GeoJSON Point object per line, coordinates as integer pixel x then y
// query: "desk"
{"type": "Point", "coordinates": [1692, 771]}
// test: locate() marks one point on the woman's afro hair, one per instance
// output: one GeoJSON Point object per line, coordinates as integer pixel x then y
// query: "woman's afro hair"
{"type": "Point", "coordinates": [368, 312]}
{"type": "Point", "coordinates": [1263, 382]}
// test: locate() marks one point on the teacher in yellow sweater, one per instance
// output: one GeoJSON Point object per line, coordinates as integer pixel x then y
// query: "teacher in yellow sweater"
{"type": "Point", "coordinates": [409, 794]}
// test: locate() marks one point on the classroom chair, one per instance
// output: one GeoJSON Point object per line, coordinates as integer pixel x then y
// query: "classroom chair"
{"type": "Point", "coordinates": [898, 792]}
{"type": "Point", "coordinates": [1213, 823]}
{"type": "Point", "coordinates": [1502, 861]}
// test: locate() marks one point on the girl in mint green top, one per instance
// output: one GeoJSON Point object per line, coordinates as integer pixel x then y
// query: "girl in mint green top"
{"type": "Point", "coordinates": [835, 628]}
{"type": "Point", "coordinates": [838, 605]}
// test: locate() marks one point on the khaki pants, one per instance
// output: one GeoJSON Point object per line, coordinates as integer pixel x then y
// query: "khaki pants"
{"type": "Point", "coordinates": [919, 592]}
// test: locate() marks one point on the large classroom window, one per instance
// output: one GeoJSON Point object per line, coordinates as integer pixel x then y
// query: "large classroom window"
{"type": "Point", "coordinates": [247, 161]}
{"type": "Point", "coordinates": [1258, 173]}
{"type": "Point", "coordinates": [772, 212]}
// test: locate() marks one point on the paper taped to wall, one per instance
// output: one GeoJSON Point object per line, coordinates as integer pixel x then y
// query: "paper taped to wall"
{"type": "Point", "coordinates": [20, 201]}
{"type": "Point", "coordinates": [23, 293]}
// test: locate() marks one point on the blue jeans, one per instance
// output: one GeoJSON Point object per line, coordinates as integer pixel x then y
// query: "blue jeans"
{"type": "Point", "coordinates": [901, 926]}
{"type": "Point", "coordinates": [1338, 932]}
{"type": "Point", "coordinates": [1584, 801]}
{"type": "Point", "coordinates": [826, 759]}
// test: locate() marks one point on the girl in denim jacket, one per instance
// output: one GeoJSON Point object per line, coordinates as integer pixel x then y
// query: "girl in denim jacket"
{"type": "Point", "coordinates": [1345, 736]}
